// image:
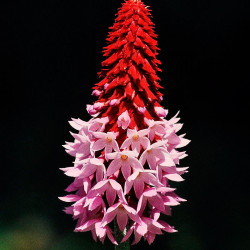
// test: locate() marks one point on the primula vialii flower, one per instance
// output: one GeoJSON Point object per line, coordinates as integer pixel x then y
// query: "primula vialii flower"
{"type": "Point", "coordinates": [127, 155]}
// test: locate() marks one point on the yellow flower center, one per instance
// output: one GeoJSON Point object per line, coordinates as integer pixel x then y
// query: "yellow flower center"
{"type": "Point", "coordinates": [123, 119]}
{"type": "Point", "coordinates": [109, 139]}
{"type": "Point", "coordinates": [135, 137]}
{"type": "Point", "coordinates": [124, 157]}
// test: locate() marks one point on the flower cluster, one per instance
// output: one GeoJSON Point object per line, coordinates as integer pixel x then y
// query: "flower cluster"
{"type": "Point", "coordinates": [127, 183]}
{"type": "Point", "coordinates": [128, 153]}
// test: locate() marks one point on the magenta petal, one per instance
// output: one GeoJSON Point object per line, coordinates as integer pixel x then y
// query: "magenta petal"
{"type": "Point", "coordinates": [138, 187]}
{"type": "Point", "coordinates": [128, 234]}
{"type": "Point", "coordinates": [111, 237]}
{"type": "Point", "coordinates": [122, 219]}
{"type": "Point", "coordinates": [110, 195]}
{"type": "Point", "coordinates": [157, 202]}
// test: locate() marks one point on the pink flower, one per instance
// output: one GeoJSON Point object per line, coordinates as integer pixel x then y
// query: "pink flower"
{"type": "Point", "coordinates": [138, 180]}
{"type": "Point", "coordinates": [124, 120]}
{"type": "Point", "coordinates": [124, 160]}
{"type": "Point", "coordinates": [141, 110]}
{"type": "Point", "coordinates": [91, 110]}
{"type": "Point", "coordinates": [152, 196]}
{"type": "Point", "coordinates": [114, 102]}
{"type": "Point", "coordinates": [98, 124]}
{"type": "Point", "coordinates": [98, 105]}
{"type": "Point", "coordinates": [161, 112]}
{"type": "Point", "coordinates": [80, 148]}
{"type": "Point", "coordinates": [136, 139]}
{"type": "Point", "coordinates": [96, 92]}
{"type": "Point", "coordinates": [90, 166]}
{"type": "Point", "coordinates": [111, 187]}
{"type": "Point", "coordinates": [155, 153]}
{"type": "Point", "coordinates": [155, 128]}
{"type": "Point", "coordinates": [105, 140]}
{"type": "Point", "coordinates": [122, 211]}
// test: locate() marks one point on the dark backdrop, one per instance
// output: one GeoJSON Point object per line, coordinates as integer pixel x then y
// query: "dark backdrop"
{"type": "Point", "coordinates": [50, 54]}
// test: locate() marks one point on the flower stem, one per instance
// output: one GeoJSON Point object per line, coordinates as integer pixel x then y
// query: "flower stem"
{"type": "Point", "coordinates": [119, 236]}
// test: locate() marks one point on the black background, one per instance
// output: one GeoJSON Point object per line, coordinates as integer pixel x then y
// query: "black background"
{"type": "Point", "coordinates": [50, 54]}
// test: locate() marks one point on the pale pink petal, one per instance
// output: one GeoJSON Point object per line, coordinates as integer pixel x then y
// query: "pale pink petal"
{"type": "Point", "coordinates": [87, 170]}
{"type": "Point", "coordinates": [114, 166]}
{"type": "Point", "coordinates": [144, 142]}
{"type": "Point", "coordinates": [136, 164]}
{"type": "Point", "coordinates": [174, 177]}
{"type": "Point", "coordinates": [115, 185]}
{"type": "Point", "coordinates": [99, 144]}
{"type": "Point", "coordinates": [126, 143]}
{"type": "Point", "coordinates": [69, 198]}
{"type": "Point", "coordinates": [126, 170]}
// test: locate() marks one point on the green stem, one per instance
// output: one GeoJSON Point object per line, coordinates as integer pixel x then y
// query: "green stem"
{"type": "Point", "coordinates": [119, 236]}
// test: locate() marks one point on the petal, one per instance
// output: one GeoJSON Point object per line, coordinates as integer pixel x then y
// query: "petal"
{"type": "Point", "coordinates": [99, 144]}
{"type": "Point", "coordinates": [174, 177]}
{"type": "Point", "coordinates": [114, 166]}
{"type": "Point", "coordinates": [144, 142]}
{"type": "Point", "coordinates": [70, 198]}
{"type": "Point", "coordinates": [136, 164]}
{"type": "Point", "coordinates": [122, 219]}
{"type": "Point", "coordinates": [157, 202]}
{"type": "Point", "coordinates": [126, 143]}
{"type": "Point", "coordinates": [99, 174]}
{"type": "Point", "coordinates": [126, 170]}
{"type": "Point", "coordinates": [138, 187]}
{"type": "Point", "coordinates": [110, 195]}
{"type": "Point", "coordinates": [110, 214]}
{"type": "Point", "coordinates": [87, 170]}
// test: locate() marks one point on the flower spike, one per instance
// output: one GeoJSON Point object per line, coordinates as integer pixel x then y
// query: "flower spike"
{"type": "Point", "coordinates": [127, 154]}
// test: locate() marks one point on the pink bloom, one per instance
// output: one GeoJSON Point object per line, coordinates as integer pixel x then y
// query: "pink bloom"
{"type": "Point", "coordinates": [78, 124]}
{"type": "Point", "coordinates": [152, 196]}
{"type": "Point", "coordinates": [111, 187]}
{"type": "Point", "coordinates": [124, 160]}
{"type": "Point", "coordinates": [161, 112]}
{"type": "Point", "coordinates": [96, 92]}
{"type": "Point", "coordinates": [141, 110]}
{"type": "Point", "coordinates": [139, 231]}
{"type": "Point", "coordinates": [98, 124]}
{"type": "Point", "coordinates": [136, 139]}
{"type": "Point", "coordinates": [122, 212]}
{"type": "Point", "coordinates": [155, 128]}
{"type": "Point", "coordinates": [138, 180]}
{"type": "Point", "coordinates": [105, 140]}
{"type": "Point", "coordinates": [80, 148]}
{"type": "Point", "coordinates": [124, 120]}
{"type": "Point", "coordinates": [156, 153]}
{"type": "Point", "coordinates": [91, 110]}
{"type": "Point", "coordinates": [98, 105]}
{"type": "Point", "coordinates": [114, 102]}
{"type": "Point", "coordinates": [90, 166]}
